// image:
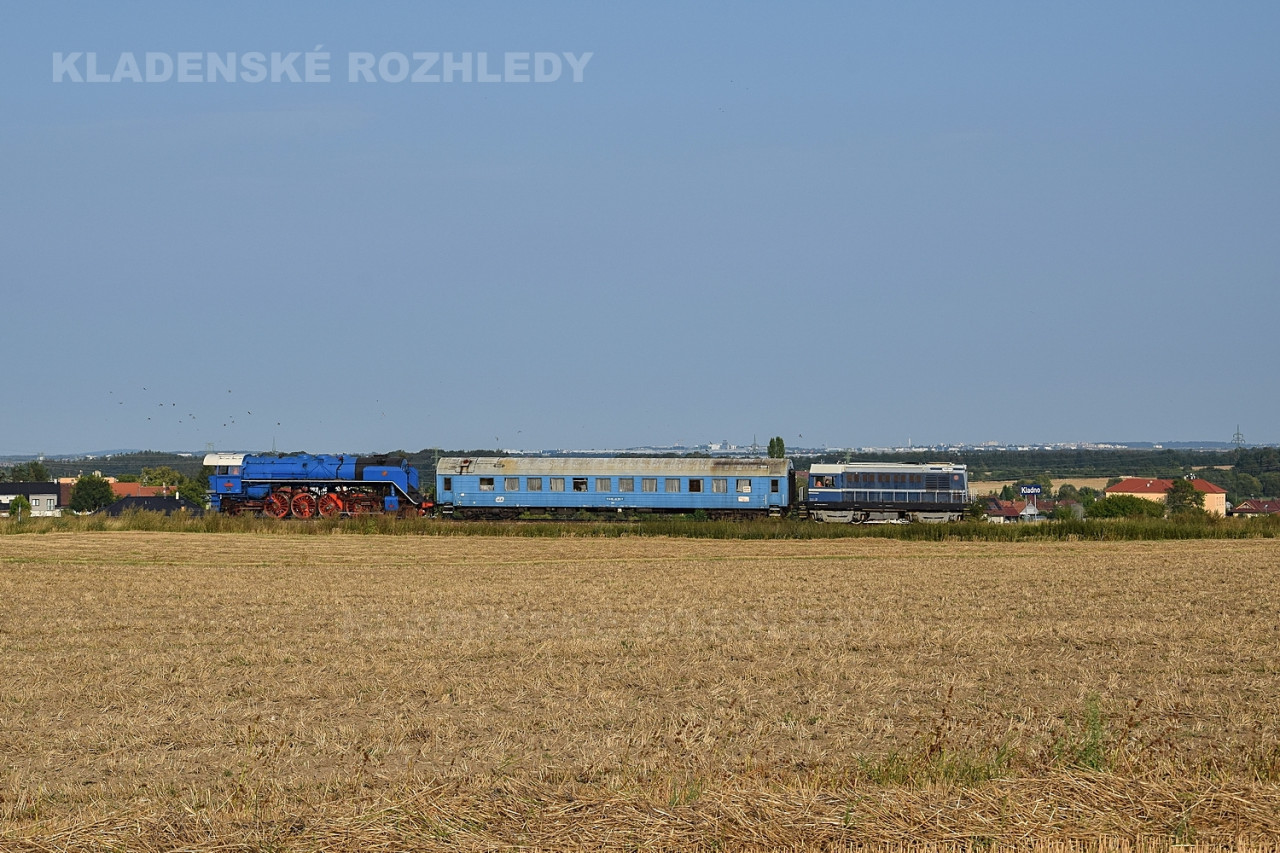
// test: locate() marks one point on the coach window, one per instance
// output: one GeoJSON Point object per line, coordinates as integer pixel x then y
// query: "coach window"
{"type": "Point", "coordinates": [695, 485]}
{"type": "Point", "coordinates": [604, 484]}
{"type": "Point", "coordinates": [486, 484]}
{"type": "Point", "coordinates": [744, 486]}
{"type": "Point", "coordinates": [557, 484]}
{"type": "Point", "coordinates": [579, 484]}
{"type": "Point", "coordinates": [511, 484]}
{"type": "Point", "coordinates": [533, 484]}
{"type": "Point", "coordinates": [673, 484]}
{"type": "Point", "coordinates": [448, 484]}
{"type": "Point", "coordinates": [649, 484]}
{"type": "Point", "coordinates": [773, 486]}
{"type": "Point", "coordinates": [626, 484]}
{"type": "Point", "coordinates": [720, 486]}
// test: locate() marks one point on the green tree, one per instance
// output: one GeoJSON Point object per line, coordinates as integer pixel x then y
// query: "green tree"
{"type": "Point", "coordinates": [20, 508]}
{"type": "Point", "coordinates": [91, 493]}
{"type": "Point", "coordinates": [196, 491]}
{"type": "Point", "coordinates": [777, 448]}
{"type": "Point", "coordinates": [161, 475]}
{"type": "Point", "coordinates": [1270, 484]}
{"type": "Point", "coordinates": [29, 472]}
{"type": "Point", "coordinates": [1125, 506]}
{"type": "Point", "coordinates": [1063, 512]}
{"type": "Point", "coordinates": [1183, 498]}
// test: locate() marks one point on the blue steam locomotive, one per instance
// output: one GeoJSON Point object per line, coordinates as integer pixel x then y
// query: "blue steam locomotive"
{"type": "Point", "coordinates": [306, 486]}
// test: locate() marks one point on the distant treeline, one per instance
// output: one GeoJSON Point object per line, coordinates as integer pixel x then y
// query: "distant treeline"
{"type": "Point", "coordinates": [1249, 472]}
{"type": "Point", "coordinates": [1013, 464]}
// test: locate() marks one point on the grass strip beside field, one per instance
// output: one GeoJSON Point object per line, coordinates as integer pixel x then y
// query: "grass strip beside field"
{"type": "Point", "coordinates": [1103, 530]}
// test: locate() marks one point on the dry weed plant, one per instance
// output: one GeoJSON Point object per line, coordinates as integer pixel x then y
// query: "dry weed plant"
{"type": "Point", "coordinates": [186, 691]}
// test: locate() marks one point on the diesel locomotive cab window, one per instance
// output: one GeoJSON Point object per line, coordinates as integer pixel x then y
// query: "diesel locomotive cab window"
{"type": "Point", "coordinates": [649, 484]}
{"type": "Point", "coordinates": [557, 484]}
{"type": "Point", "coordinates": [533, 484]}
{"type": "Point", "coordinates": [695, 485]}
{"type": "Point", "coordinates": [511, 484]}
{"type": "Point", "coordinates": [720, 486]}
{"type": "Point", "coordinates": [604, 484]}
{"type": "Point", "coordinates": [626, 484]}
{"type": "Point", "coordinates": [486, 484]}
{"type": "Point", "coordinates": [579, 484]}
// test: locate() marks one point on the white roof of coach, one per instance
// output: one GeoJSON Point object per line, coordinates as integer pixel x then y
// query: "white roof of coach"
{"type": "Point", "coordinates": [905, 467]}
{"type": "Point", "coordinates": [229, 459]}
{"type": "Point", "coordinates": [671, 466]}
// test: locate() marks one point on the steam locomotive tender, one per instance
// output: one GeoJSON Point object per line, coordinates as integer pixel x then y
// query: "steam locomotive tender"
{"type": "Point", "coordinates": [306, 486]}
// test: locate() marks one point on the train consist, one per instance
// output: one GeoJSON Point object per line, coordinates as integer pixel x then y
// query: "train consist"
{"type": "Point", "coordinates": [306, 486]}
{"type": "Point", "coordinates": [508, 487]}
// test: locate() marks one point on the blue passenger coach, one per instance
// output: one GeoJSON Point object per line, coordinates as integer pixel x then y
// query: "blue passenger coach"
{"type": "Point", "coordinates": [859, 492]}
{"type": "Point", "coordinates": [508, 486]}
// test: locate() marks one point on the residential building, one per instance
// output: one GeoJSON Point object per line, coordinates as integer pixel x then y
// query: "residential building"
{"type": "Point", "coordinates": [1215, 497]}
{"type": "Point", "coordinates": [1254, 507]}
{"type": "Point", "coordinates": [166, 505]}
{"type": "Point", "coordinates": [43, 497]}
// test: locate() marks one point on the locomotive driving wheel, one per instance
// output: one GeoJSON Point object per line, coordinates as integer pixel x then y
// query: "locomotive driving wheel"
{"type": "Point", "coordinates": [330, 506]}
{"type": "Point", "coordinates": [277, 505]}
{"type": "Point", "coordinates": [303, 505]}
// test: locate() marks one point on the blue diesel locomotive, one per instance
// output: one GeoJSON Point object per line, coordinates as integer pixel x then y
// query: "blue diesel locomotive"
{"type": "Point", "coordinates": [509, 486]}
{"type": "Point", "coordinates": [880, 492]}
{"type": "Point", "coordinates": [306, 486]}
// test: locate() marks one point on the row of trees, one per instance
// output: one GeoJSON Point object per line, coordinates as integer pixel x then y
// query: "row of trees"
{"type": "Point", "coordinates": [26, 472]}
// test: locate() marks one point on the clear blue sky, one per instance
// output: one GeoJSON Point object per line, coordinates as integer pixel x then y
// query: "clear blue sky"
{"type": "Point", "coordinates": [856, 222]}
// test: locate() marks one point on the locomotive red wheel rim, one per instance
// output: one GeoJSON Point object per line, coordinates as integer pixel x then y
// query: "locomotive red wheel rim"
{"type": "Point", "coordinates": [330, 507]}
{"type": "Point", "coordinates": [276, 506]}
{"type": "Point", "coordinates": [303, 505]}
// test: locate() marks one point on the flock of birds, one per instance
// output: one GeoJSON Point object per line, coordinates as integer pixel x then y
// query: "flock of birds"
{"type": "Point", "coordinates": [172, 413]}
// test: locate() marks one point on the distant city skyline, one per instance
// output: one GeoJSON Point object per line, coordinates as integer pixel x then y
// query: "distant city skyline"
{"type": "Point", "coordinates": [712, 447]}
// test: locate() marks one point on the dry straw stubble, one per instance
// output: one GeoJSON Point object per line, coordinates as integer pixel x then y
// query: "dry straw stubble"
{"type": "Point", "coordinates": [342, 692]}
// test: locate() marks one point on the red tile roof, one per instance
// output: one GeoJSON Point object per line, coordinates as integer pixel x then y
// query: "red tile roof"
{"type": "Point", "coordinates": [136, 490]}
{"type": "Point", "coordinates": [1255, 506]}
{"type": "Point", "coordinates": [1142, 486]}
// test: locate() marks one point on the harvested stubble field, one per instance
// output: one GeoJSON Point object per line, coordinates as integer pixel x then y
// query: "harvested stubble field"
{"type": "Point", "coordinates": [284, 692]}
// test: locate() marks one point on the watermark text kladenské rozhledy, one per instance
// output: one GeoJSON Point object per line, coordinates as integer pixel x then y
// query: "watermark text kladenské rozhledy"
{"type": "Point", "coordinates": [319, 66]}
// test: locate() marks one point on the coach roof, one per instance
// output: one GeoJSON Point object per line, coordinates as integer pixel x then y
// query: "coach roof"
{"type": "Point", "coordinates": [613, 465]}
